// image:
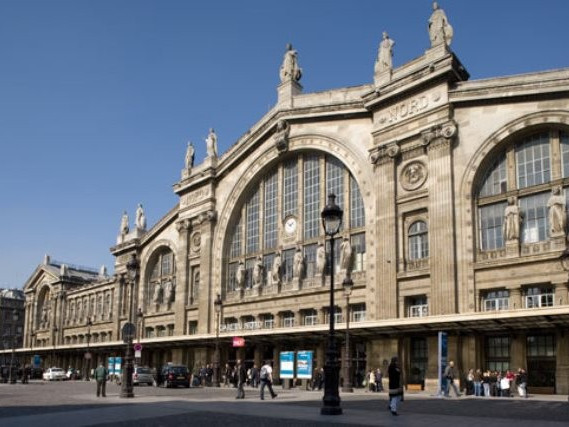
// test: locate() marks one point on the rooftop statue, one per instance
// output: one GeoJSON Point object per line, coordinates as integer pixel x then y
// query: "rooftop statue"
{"type": "Point", "coordinates": [124, 223]}
{"type": "Point", "coordinates": [290, 69]}
{"type": "Point", "coordinates": [190, 153]}
{"type": "Point", "coordinates": [385, 56]}
{"type": "Point", "coordinates": [440, 31]}
{"type": "Point", "coordinates": [211, 143]}
{"type": "Point", "coordinates": [140, 218]}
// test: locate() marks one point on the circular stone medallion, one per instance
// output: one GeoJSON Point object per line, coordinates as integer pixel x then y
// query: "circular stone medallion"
{"type": "Point", "coordinates": [413, 176]}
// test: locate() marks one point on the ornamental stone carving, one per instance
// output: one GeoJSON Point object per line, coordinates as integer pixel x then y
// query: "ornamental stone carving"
{"type": "Point", "coordinates": [196, 241]}
{"type": "Point", "coordinates": [281, 136]}
{"type": "Point", "coordinates": [289, 68]}
{"type": "Point", "coordinates": [440, 31]}
{"type": "Point", "coordinates": [413, 175]}
{"type": "Point", "coordinates": [557, 215]}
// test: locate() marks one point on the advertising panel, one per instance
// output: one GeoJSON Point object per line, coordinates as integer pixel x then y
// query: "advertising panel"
{"type": "Point", "coordinates": [443, 360]}
{"type": "Point", "coordinates": [287, 364]}
{"type": "Point", "coordinates": [304, 364]}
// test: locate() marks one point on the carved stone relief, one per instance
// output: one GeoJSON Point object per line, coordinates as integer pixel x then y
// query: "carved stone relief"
{"type": "Point", "coordinates": [413, 175]}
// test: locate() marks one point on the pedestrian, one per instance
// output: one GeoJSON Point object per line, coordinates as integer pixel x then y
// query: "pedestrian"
{"type": "Point", "coordinates": [101, 379]}
{"type": "Point", "coordinates": [470, 382]}
{"type": "Point", "coordinates": [266, 376]}
{"type": "Point", "coordinates": [25, 374]}
{"type": "Point", "coordinates": [505, 385]}
{"type": "Point", "coordinates": [378, 380]}
{"type": "Point", "coordinates": [371, 380]}
{"type": "Point", "coordinates": [255, 379]}
{"type": "Point", "coordinates": [478, 383]}
{"type": "Point", "coordinates": [228, 375]}
{"type": "Point", "coordinates": [395, 389]}
{"type": "Point", "coordinates": [521, 382]}
{"type": "Point", "coordinates": [450, 375]}
{"type": "Point", "coordinates": [241, 379]}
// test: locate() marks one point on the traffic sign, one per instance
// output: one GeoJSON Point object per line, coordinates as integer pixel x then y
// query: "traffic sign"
{"type": "Point", "coordinates": [128, 331]}
{"type": "Point", "coordinates": [137, 346]}
{"type": "Point", "coordinates": [87, 355]}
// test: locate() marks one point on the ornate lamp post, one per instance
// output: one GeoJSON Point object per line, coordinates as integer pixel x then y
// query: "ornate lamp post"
{"type": "Point", "coordinates": [218, 305]}
{"type": "Point", "coordinates": [15, 318]}
{"type": "Point", "coordinates": [87, 354]}
{"type": "Point", "coordinates": [139, 321]}
{"type": "Point", "coordinates": [53, 364]}
{"type": "Point", "coordinates": [347, 284]}
{"type": "Point", "coordinates": [128, 331]}
{"type": "Point", "coordinates": [331, 220]}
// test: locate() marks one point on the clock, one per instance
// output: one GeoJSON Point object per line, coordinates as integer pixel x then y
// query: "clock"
{"type": "Point", "coordinates": [290, 225]}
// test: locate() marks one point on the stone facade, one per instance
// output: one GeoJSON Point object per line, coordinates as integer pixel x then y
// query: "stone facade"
{"type": "Point", "coordinates": [423, 164]}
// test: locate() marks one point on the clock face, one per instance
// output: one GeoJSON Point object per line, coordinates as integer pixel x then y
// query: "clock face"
{"type": "Point", "coordinates": [290, 225]}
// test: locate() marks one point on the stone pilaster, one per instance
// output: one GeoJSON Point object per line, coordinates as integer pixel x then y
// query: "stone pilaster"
{"type": "Point", "coordinates": [561, 294]}
{"type": "Point", "coordinates": [518, 351]}
{"type": "Point", "coordinates": [182, 278]}
{"type": "Point", "coordinates": [515, 298]}
{"type": "Point", "coordinates": [385, 287]}
{"type": "Point", "coordinates": [206, 315]}
{"type": "Point", "coordinates": [562, 359]}
{"type": "Point", "coordinates": [442, 248]}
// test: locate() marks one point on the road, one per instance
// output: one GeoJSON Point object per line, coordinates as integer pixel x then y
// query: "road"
{"type": "Point", "coordinates": [74, 404]}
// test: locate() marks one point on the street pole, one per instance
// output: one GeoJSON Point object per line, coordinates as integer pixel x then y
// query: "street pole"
{"type": "Point", "coordinates": [88, 355]}
{"type": "Point", "coordinates": [218, 304]}
{"type": "Point", "coordinates": [331, 220]}
{"type": "Point", "coordinates": [126, 383]}
{"type": "Point", "coordinates": [15, 318]}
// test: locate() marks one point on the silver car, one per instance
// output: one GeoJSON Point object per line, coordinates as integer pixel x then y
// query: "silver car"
{"type": "Point", "coordinates": [142, 375]}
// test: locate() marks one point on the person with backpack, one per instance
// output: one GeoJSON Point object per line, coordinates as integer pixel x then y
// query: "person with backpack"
{"type": "Point", "coordinates": [266, 375]}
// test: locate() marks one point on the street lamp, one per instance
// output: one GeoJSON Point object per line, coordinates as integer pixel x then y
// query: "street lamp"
{"type": "Point", "coordinates": [54, 335]}
{"type": "Point", "coordinates": [347, 285]}
{"type": "Point", "coordinates": [331, 220]}
{"type": "Point", "coordinates": [218, 304]}
{"type": "Point", "coordinates": [88, 355]}
{"type": "Point", "coordinates": [139, 321]}
{"type": "Point", "coordinates": [132, 267]}
{"type": "Point", "coordinates": [15, 317]}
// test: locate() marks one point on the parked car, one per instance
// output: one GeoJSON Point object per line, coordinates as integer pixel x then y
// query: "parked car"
{"type": "Point", "coordinates": [72, 374]}
{"type": "Point", "coordinates": [173, 376]}
{"type": "Point", "coordinates": [54, 374]}
{"type": "Point", "coordinates": [142, 375]}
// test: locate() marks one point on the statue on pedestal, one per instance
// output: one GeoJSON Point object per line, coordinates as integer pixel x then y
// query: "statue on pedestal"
{"type": "Point", "coordinates": [140, 218]}
{"type": "Point", "coordinates": [157, 296]}
{"type": "Point", "coordinates": [258, 272]}
{"type": "Point", "coordinates": [346, 256]}
{"type": "Point", "coordinates": [512, 220]}
{"type": "Point", "coordinates": [440, 31]}
{"type": "Point", "coordinates": [124, 224]}
{"type": "Point", "coordinates": [190, 153]}
{"type": "Point", "coordinates": [385, 56]}
{"type": "Point", "coordinates": [240, 276]}
{"type": "Point", "coordinates": [169, 292]}
{"type": "Point", "coordinates": [557, 215]}
{"type": "Point", "coordinates": [298, 264]}
{"type": "Point", "coordinates": [320, 259]}
{"type": "Point", "coordinates": [211, 143]}
{"type": "Point", "coordinates": [276, 270]}
{"type": "Point", "coordinates": [290, 69]}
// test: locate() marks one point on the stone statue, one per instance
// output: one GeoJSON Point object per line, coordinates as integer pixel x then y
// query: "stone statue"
{"type": "Point", "coordinates": [124, 223]}
{"type": "Point", "coordinates": [440, 31]}
{"type": "Point", "coordinates": [346, 256]}
{"type": "Point", "coordinates": [557, 215]}
{"type": "Point", "coordinates": [276, 270]}
{"type": "Point", "coordinates": [190, 153]}
{"type": "Point", "coordinates": [281, 135]}
{"type": "Point", "coordinates": [108, 308]}
{"type": "Point", "coordinates": [140, 218]}
{"type": "Point", "coordinates": [258, 269]}
{"type": "Point", "coordinates": [298, 264]}
{"type": "Point", "coordinates": [79, 310]}
{"type": "Point", "coordinates": [320, 259]}
{"type": "Point", "coordinates": [211, 143]}
{"type": "Point", "coordinates": [44, 316]}
{"type": "Point", "coordinates": [290, 69]}
{"type": "Point", "coordinates": [157, 296]}
{"type": "Point", "coordinates": [512, 220]}
{"type": "Point", "coordinates": [240, 275]}
{"type": "Point", "coordinates": [385, 56]}
{"type": "Point", "coordinates": [169, 292]}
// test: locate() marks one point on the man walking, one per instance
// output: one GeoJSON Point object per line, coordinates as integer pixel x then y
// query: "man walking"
{"type": "Point", "coordinates": [395, 389]}
{"type": "Point", "coordinates": [101, 379]}
{"type": "Point", "coordinates": [450, 375]}
{"type": "Point", "coordinates": [266, 375]}
{"type": "Point", "coordinates": [241, 379]}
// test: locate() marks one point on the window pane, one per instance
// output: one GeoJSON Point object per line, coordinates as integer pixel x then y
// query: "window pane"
{"type": "Point", "coordinates": [564, 139]}
{"type": "Point", "coordinates": [418, 240]}
{"type": "Point", "coordinates": [288, 262]}
{"type": "Point", "coordinates": [236, 240]}
{"type": "Point", "coordinates": [357, 215]}
{"type": "Point", "coordinates": [311, 197]}
{"type": "Point", "coordinates": [253, 223]}
{"type": "Point", "coordinates": [310, 260]}
{"type": "Point", "coordinates": [532, 160]}
{"type": "Point", "coordinates": [495, 181]}
{"type": "Point", "coordinates": [271, 227]}
{"type": "Point", "coordinates": [290, 196]}
{"type": "Point", "coordinates": [359, 251]}
{"type": "Point", "coordinates": [491, 226]}
{"type": "Point", "coordinates": [535, 219]}
{"type": "Point", "coordinates": [335, 180]}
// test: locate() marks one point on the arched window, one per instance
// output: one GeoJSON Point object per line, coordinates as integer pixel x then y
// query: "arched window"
{"type": "Point", "coordinates": [418, 240]}
{"type": "Point", "coordinates": [529, 157]}
{"type": "Point", "coordinates": [282, 210]}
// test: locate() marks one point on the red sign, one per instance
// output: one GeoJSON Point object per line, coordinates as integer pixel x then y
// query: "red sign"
{"type": "Point", "coordinates": [238, 342]}
{"type": "Point", "coordinates": [137, 346]}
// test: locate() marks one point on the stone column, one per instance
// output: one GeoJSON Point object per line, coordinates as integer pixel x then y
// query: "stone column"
{"type": "Point", "coordinates": [385, 287]}
{"type": "Point", "coordinates": [206, 314]}
{"type": "Point", "coordinates": [182, 278]}
{"type": "Point", "coordinates": [518, 351]}
{"type": "Point", "coordinates": [442, 248]}
{"type": "Point", "coordinates": [515, 299]}
{"type": "Point", "coordinates": [562, 359]}
{"type": "Point", "coordinates": [561, 294]}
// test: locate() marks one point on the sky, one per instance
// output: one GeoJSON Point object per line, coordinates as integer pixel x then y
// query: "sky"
{"type": "Point", "coordinates": [98, 98]}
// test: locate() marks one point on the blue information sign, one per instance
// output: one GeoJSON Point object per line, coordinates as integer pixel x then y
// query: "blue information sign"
{"type": "Point", "coordinates": [287, 364]}
{"type": "Point", "coordinates": [443, 360]}
{"type": "Point", "coordinates": [36, 361]}
{"type": "Point", "coordinates": [304, 364]}
{"type": "Point", "coordinates": [111, 365]}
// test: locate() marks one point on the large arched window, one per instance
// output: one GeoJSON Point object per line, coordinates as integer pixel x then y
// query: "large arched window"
{"type": "Point", "coordinates": [161, 282]}
{"type": "Point", "coordinates": [282, 214]}
{"type": "Point", "coordinates": [525, 173]}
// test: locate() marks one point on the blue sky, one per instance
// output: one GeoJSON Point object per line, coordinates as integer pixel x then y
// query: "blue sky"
{"type": "Point", "coordinates": [98, 98]}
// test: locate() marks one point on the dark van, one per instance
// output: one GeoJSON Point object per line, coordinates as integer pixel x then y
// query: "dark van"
{"type": "Point", "coordinates": [175, 376]}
